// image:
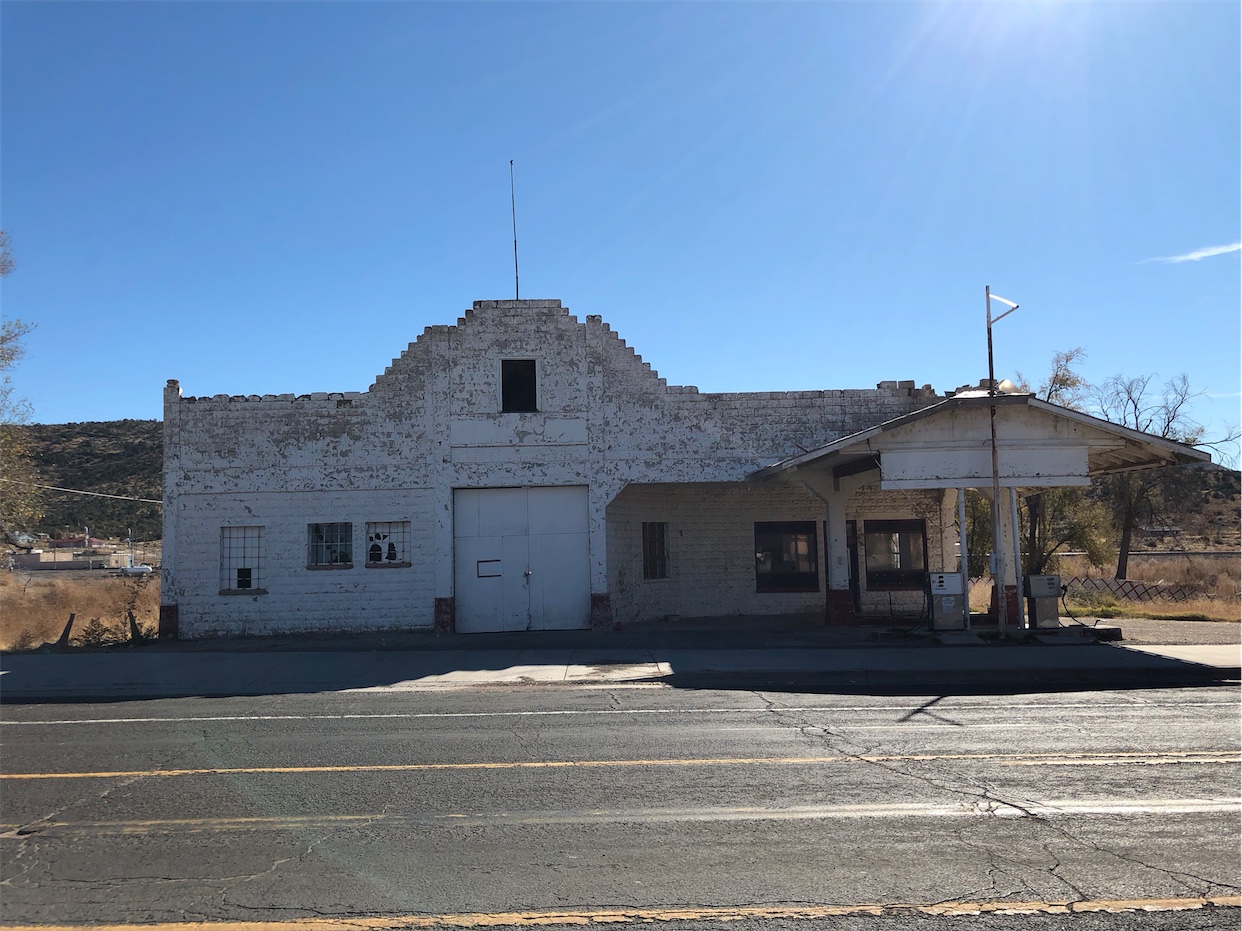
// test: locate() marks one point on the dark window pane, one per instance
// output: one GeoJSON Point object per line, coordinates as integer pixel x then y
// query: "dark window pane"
{"type": "Point", "coordinates": [655, 550]}
{"type": "Point", "coordinates": [786, 557]}
{"type": "Point", "coordinates": [517, 385]}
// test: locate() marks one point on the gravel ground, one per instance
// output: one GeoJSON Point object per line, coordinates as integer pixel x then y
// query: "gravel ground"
{"type": "Point", "coordinates": [1150, 631]}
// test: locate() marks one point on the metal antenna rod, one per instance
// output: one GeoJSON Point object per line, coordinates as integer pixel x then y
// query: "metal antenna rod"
{"type": "Point", "coordinates": [513, 210]}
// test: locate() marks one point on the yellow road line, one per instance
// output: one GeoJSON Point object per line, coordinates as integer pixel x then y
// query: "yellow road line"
{"type": "Point", "coordinates": [648, 915]}
{"type": "Point", "coordinates": [1041, 809]}
{"type": "Point", "coordinates": [1005, 759]}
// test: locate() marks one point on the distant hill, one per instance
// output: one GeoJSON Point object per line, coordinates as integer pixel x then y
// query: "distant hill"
{"type": "Point", "coordinates": [125, 457]}
{"type": "Point", "coordinates": [115, 457]}
{"type": "Point", "coordinates": [1201, 510]}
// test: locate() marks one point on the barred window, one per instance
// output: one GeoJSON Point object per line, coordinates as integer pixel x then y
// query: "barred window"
{"type": "Point", "coordinates": [388, 544]}
{"type": "Point", "coordinates": [330, 545]}
{"type": "Point", "coordinates": [241, 560]}
{"type": "Point", "coordinates": [655, 550]}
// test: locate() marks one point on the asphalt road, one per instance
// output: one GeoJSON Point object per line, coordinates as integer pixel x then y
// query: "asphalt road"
{"type": "Point", "coordinates": [521, 805]}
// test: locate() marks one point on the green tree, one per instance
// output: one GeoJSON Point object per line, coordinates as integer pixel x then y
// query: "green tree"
{"type": "Point", "coordinates": [1059, 519]}
{"type": "Point", "coordinates": [978, 532]}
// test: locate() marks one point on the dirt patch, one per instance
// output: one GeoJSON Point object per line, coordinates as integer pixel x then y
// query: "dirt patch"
{"type": "Point", "coordinates": [34, 607]}
{"type": "Point", "coordinates": [1153, 631]}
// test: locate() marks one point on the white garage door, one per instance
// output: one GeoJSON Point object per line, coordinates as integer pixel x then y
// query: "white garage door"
{"type": "Point", "coordinates": [521, 559]}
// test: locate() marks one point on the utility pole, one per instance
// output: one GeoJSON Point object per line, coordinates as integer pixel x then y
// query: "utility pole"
{"type": "Point", "coordinates": [1002, 602]}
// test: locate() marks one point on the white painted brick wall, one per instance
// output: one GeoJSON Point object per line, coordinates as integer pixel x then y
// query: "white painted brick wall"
{"type": "Point", "coordinates": [431, 423]}
{"type": "Point", "coordinates": [711, 549]}
{"type": "Point", "coordinates": [298, 598]}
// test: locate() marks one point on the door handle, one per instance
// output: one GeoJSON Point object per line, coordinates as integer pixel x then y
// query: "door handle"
{"type": "Point", "coordinates": [526, 573]}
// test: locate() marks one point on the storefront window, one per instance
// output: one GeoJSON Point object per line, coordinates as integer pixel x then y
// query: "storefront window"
{"type": "Point", "coordinates": [786, 558]}
{"type": "Point", "coordinates": [896, 554]}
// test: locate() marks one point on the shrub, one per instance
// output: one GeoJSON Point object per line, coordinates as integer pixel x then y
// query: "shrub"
{"type": "Point", "coordinates": [96, 634]}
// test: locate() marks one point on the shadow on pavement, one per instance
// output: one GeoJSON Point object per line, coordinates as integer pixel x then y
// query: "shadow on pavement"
{"type": "Point", "coordinates": [1176, 675]}
{"type": "Point", "coordinates": [789, 655]}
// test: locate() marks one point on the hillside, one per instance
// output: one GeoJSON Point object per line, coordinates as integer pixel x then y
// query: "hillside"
{"type": "Point", "coordinates": [115, 457]}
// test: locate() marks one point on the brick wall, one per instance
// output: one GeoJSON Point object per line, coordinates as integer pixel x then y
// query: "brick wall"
{"type": "Point", "coordinates": [298, 598]}
{"type": "Point", "coordinates": [432, 422]}
{"type": "Point", "coordinates": [711, 549]}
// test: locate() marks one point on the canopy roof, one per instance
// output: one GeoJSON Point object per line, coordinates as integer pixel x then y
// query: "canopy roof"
{"type": "Point", "coordinates": [948, 445]}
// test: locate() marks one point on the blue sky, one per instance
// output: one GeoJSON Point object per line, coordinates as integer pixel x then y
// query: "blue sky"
{"type": "Point", "coordinates": [274, 197]}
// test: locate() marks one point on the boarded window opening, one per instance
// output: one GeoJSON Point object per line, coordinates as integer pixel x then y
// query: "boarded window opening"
{"type": "Point", "coordinates": [517, 386]}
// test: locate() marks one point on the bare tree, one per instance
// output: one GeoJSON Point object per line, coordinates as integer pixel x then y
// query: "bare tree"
{"type": "Point", "coordinates": [1164, 411]}
{"type": "Point", "coordinates": [6, 255]}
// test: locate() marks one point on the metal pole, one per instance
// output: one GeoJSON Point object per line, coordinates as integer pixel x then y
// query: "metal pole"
{"type": "Point", "coordinates": [1002, 613]}
{"type": "Point", "coordinates": [827, 549]}
{"type": "Point", "coordinates": [513, 211]}
{"type": "Point", "coordinates": [965, 567]}
{"type": "Point", "coordinates": [1017, 554]}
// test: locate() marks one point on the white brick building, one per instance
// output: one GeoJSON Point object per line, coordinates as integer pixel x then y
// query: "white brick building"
{"type": "Point", "coordinates": [525, 470]}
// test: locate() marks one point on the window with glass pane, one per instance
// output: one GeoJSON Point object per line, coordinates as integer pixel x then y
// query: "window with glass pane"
{"type": "Point", "coordinates": [330, 545]}
{"type": "Point", "coordinates": [241, 560]}
{"type": "Point", "coordinates": [896, 554]}
{"type": "Point", "coordinates": [786, 557]}
{"type": "Point", "coordinates": [655, 550]}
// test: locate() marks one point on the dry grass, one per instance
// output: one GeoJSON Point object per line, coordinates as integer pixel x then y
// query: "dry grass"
{"type": "Point", "coordinates": [35, 606]}
{"type": "Point", "coordinates": [1218, 583]}
{"type": "Point", "coordinates": [1210, 577]}
{"type": "Point", "coordinates": [1107, 605]}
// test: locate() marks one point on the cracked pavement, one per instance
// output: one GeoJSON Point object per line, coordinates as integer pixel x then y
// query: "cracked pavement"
{"type": "Point", "coordinates": [632, 798]}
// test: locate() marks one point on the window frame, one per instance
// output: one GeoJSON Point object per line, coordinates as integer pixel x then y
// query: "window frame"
{"type": "Point", "coordinates": [324, 544]}
{"type": "Point", "coordinates": [509, 399]}
{"type": "Point", "coordinates": [655, 538]}
{"type": "Point", "coordinates": [779, 583]}
{"type": "Point", "coordinates": [400, 528]}
{"type": "Point", "coordinates": [241, 550]}
{"type": "Point", "coordinates": [901, 579]}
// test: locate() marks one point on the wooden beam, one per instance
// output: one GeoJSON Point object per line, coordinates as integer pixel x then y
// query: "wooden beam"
{"type": "Point", "coordinates": [856, 466]}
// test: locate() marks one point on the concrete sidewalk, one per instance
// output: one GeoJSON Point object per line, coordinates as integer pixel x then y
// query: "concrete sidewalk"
{"type": "Point", "coordinates": [1002, 667]}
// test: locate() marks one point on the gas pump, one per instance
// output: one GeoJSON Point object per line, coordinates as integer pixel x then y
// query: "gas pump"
{"type": "Point", "coordinates": [947, 602]}
{"type": "Point", "coordinates": [1042, 592]}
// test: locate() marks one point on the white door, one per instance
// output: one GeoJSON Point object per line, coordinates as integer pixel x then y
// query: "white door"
{"type": "Point", "coordinates": [521, 559]}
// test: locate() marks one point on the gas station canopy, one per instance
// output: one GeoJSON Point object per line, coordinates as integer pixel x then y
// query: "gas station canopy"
{"type": "Point", "coordinates": [948, 445]}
